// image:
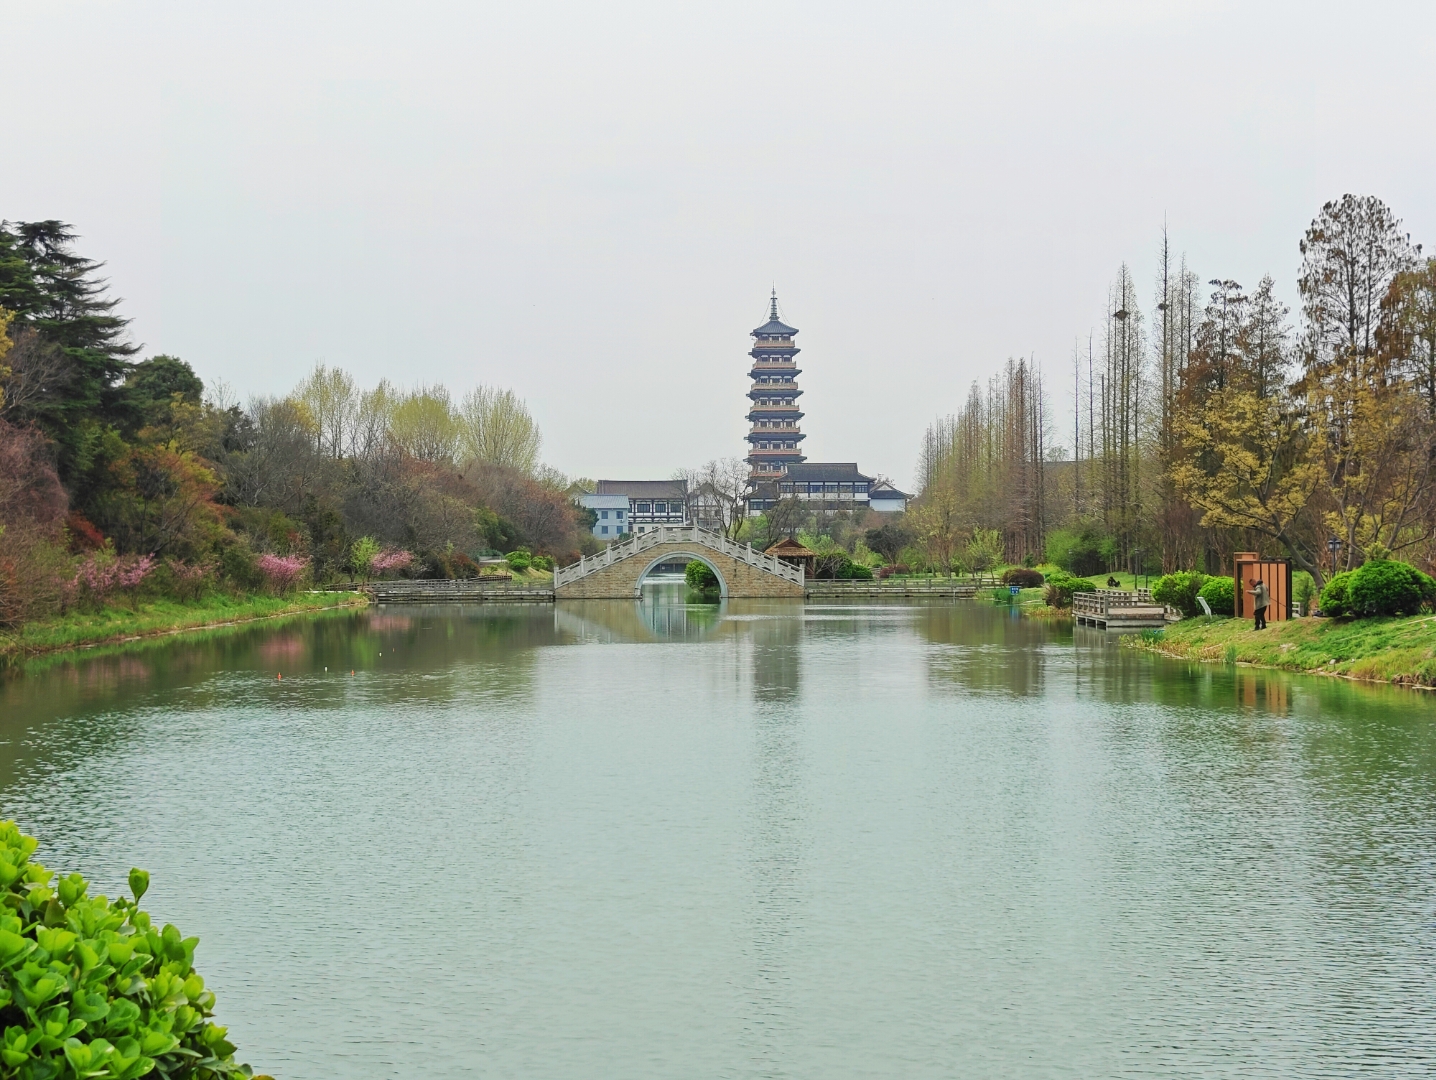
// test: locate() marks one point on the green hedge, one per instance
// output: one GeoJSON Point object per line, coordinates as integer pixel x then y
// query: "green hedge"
{"type": "Point", "coordinates": [1335, 595]}
{"type": "Point", "coordinates": [1387, 587]}
{"type": "Point", "coordinates": [1180, 590]}
{"type": "Point", "coordinates": [1220, 595]}
{"type": "Point", "coordinates": [90, 988]}
{"type": "Point", "coordinates": [1061, 586]}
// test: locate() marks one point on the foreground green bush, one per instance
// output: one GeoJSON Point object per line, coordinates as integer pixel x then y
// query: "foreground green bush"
{"type": "Point", "coordinates": [1335, 595]}
{"type": "Point", "coordinates": [1387, 587]}
{"type": "Point", "coordinates": [1220, 593]}
{"type": "Point", "coordinates": [1180, 590]}
{"type": "Point", "coordinates": [1023, 577]}
{"type": "Point", "coordinates": [89, 988]}
{"type": "Point", "coordinates": [519, 559]}
{"type": "Point", "coordinates": [1061, 586]}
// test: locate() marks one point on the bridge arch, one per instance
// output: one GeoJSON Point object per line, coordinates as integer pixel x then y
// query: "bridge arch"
{"type": "Point", "coordinates": [692, 556]}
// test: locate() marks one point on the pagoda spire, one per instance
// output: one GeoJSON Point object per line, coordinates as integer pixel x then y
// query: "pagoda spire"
{"type": "Point", "coordinates": [775, 438]}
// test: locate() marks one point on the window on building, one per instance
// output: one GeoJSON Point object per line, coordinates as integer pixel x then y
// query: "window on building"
{"type": "Point", "coordinates": [785, 487]}
{"type": "Point", "coordinates": [642, 528]}
{"type": "Point", "coordinates": [603, 513]}
{"type": "Point", "coordinates": [830, 487]}
{"type": "Point", "coordinates": [620, 514]}
{"type": "Point", "coordinates": [603, 529]}
{"type": "Point", "coordinates": [845, 487]}
{"type": "Point", "coordinates": [860, 488]}
{"type": "Point", "coordinates": [643, 508]}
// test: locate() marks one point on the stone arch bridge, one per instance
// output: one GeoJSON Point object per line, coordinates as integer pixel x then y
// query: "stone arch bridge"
{"type": "Point", "coordinates": [617, 572]}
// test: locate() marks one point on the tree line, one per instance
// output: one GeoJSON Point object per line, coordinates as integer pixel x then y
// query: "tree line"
{"type": "Point", "coordinates": [105, 456]}
{"type": "Point", "coordinates": [1215, 423]}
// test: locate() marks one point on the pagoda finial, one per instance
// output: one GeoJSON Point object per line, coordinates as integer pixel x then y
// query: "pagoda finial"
{"type": "Point", "coordinates": [773, 312]}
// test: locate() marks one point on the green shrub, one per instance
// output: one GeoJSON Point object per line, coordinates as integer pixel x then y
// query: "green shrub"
{"type": "Point", "coordinates": [847, 570]}
{"type": "Point", "coordinates": [240, 567]}
{"type": "Point", "coordinates": [1079, 552]}
{"type": "Point", "coordinates": [1335, 595]}
{"type": "Point", "coordinates": [519, 559]}
{"type": "Point", "coordinates": [1023, 577]}
{"type": "Point", "coordinates": [90, 988]}
{"type": "Point", "coordinates": [1180, 590]}
{"type": "Point", "coordinates": [1303, 585]}
{"type": "Point", "coordinates": [1061, 586]}
{"type": "Point", "coordinates": [1386, 587]}
{"type": "Point", "coordinates": [701, 578]}
{"type": "Point", "coordinates": [1220, 595]}
{"type": "Point", "coordinates": [542, 562]}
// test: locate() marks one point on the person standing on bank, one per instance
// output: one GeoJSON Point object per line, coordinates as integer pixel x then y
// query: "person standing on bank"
{"type": "Point", "coordinates": [1261, 600]}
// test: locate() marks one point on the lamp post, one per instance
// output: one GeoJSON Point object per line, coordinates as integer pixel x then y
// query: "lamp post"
{"type": "Point", "coordinates": [1139, 559]}
{"type": "Point", "coordinates": [1334, 546]}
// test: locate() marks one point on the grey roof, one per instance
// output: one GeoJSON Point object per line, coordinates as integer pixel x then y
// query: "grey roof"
{"type": "Point", "coordinates": [644, 489]}
{"type": "Point", "coordinates": [883, 488]}
{"type": "Point", "coordinates": [830, 471]}
{"type": "Point", "coordinates": [773, 326]}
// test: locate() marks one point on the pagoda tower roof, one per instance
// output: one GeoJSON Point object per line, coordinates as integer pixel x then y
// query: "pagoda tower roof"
{"type": "Point", "coordinates": [773, 327]}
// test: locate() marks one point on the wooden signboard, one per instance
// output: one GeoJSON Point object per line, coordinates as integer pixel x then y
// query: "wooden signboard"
{"type": "Point", "coordinates": [1275, 573]}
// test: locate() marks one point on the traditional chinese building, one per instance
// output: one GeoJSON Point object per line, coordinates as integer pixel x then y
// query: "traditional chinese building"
{"type": "Point", "coordinates": [774, 438]}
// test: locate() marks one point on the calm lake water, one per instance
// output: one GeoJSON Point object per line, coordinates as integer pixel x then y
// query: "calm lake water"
{"type": "Point", "coordinates": [876, 840]}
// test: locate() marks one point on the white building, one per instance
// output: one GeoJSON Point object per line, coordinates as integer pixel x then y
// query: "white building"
{"type": "Point", "coordinates": [886, 499]}
{"type": "Point", "coordinates": [635, 506]}
{"type": "Point", "coordinates": [613, 517]}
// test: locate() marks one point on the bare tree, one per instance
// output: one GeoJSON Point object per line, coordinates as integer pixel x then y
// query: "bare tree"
{"type": "Point", "coordinates": [425, 426]}
{"type": "Point", "coordinates": [718, 494]}
{"type": "Point", "coordinates": [333, 401]}
{"type": "Point", "coordinates": [495, 428]}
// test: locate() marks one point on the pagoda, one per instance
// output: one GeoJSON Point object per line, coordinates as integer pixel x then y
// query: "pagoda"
{"type": "Point", "coordinates": [774, 438]}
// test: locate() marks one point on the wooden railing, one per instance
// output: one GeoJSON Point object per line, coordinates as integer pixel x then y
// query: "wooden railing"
{"type": "Point", "coordinates": [1104, 601]}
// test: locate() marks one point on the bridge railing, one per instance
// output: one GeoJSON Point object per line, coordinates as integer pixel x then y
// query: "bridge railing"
{"type": "Point", "coordinates": [676, 534]}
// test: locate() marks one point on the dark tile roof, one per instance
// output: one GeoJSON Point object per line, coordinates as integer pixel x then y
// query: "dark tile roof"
{"type": "Point", "coordinates": [773, 327]}
{"type": "Point", "coordinates": [825, 471]}
{"type": "Point", "coordinates": [644, 489]}
{"type": "Point", "coordinates": [885, 489]}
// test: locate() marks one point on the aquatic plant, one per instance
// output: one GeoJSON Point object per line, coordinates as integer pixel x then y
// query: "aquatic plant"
{"type": "Point", "coordinates": [89, 987]}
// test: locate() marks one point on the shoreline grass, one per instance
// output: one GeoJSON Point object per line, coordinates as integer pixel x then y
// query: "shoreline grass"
{"type": "Point", "coordinates": [1397, 651]}
{"type": "Point", "coordinates": [158, 618]}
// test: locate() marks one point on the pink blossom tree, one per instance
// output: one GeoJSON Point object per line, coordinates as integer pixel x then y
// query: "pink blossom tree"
{"type": "Point", "coordinates": [282, 572]}
{"type": "Point", "coordinates": [391, 561]}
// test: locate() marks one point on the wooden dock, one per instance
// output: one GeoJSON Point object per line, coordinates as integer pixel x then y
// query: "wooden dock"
{"type": "Point", "coordinates": [951, 588]}
{"type": "Point", "coordinates": [419, 591]}
{"type": "Point", "coordinates": [1117, 609]}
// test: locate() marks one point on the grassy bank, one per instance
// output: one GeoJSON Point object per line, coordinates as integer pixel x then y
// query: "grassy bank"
{"type": "Point", "coordinates": [1392, 650]}
{"type": "Point", "coordinates": [79, 630]}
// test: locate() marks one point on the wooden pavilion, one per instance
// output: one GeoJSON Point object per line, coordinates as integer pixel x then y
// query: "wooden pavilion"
{"type": "Point", "coordinates": [790, 551]}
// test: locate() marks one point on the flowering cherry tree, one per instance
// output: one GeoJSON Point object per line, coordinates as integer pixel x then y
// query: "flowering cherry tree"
{"type": "Point", "coordinates": [282, 572]}
{"type": "Point", "coordinates": [390, 560]}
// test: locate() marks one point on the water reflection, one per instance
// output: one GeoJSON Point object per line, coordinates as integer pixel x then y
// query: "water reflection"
{"type": "Point", "coordinates": [756, 839]}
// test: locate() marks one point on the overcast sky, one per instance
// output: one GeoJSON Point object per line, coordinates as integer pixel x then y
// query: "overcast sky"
{"type": "Point", "coordinates": [589, 202]}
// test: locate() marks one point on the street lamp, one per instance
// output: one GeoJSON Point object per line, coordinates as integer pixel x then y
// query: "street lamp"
{"type": "Point", "coordinates": [1333, 545]}
{"type": "Point", "coordinates": [1139, 558]}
